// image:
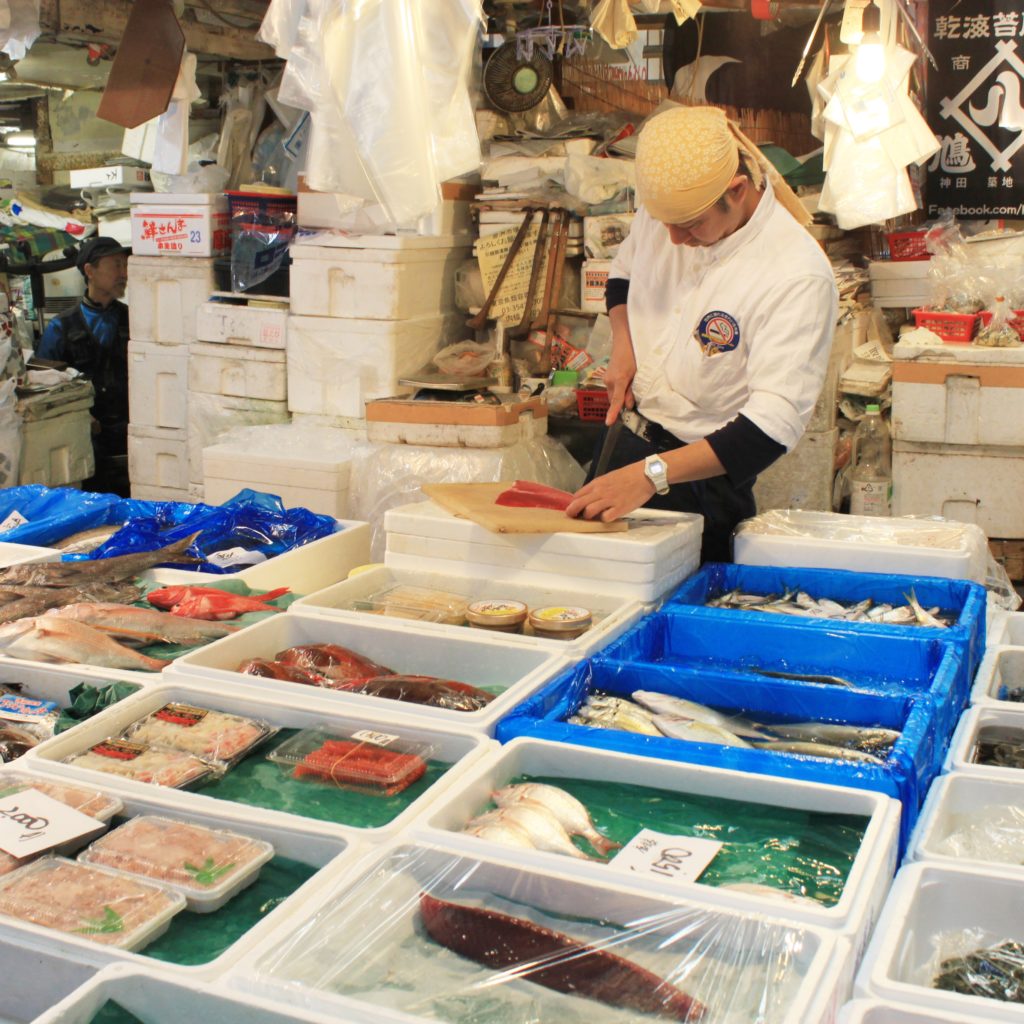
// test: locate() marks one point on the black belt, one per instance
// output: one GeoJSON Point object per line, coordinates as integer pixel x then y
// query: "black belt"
{"type": "Point", "coordinates": [647, 430]}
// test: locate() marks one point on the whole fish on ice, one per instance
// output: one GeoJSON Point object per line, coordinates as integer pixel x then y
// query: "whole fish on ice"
{"type": "Point", "coordinates": [537, 821]}
{"type": "Point", "coordinates": [143, 624]}
{"type": "Point", "coordinates": [569, 812]}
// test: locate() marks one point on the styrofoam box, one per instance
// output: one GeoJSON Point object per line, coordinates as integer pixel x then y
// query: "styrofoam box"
{"type": "Point", "coordinates": [961, 747]}
{"type": "Point", "coordinates": [818, 957]}
{"type": "Point", "coordinates": [38, 976]}
{"type": "Point", "coordinates": [612, 615]}
{"type": "Point", "coordinates": [336, 365]}
{"type": "Point", "coordinates": [900, 283]}
{"type": "Point", "coordinates": [885, 1011]}
{"type": "Point", "coordinates": [458, 435]}
{"type": "Point", "coordinates": [158, 997]}
{"type": "Point", "coordinates": [113, 174]}
{"type": "Point", "coordinates": [955, 800]}
{"type": "Point", "coordinates": [57, 450]}
{"type": "Point", "coordinates": [158, 457]}
{"type": "Point", "coordinates": [165, 224]}
{"type": "Point", "coordinates": [318, 851]}
{"type": "Point", "coordinates": [164, 293]}
{"type": "Point", "coordinates": [15, 554]}
{"type": "Point", "coordinates": [802, 478]}
{"type": "Point", "coordinates": [1008, 629]}
{"type": "Point", "coordinates": [157, 385]}
{"type": "Point", "coordinates": [867, 883]}
{"type": "Point", "coordinates": [463, 751]}
{"type": "Point", "coordinates": [1001, 667]}
{"type": "Point", "coordinates": [227, 323]}
{"type": "Point", "coordinates": [811, 546]}
{"type": "Point", "coordinates": [958, 394]}
{"type": "Point", "coordinates": [144, 492]}
{"type": "Point", "coordinates": [479, 661]}
{"type": "Point", "coordinates": [55, 681]}
{"type": "Point", "coordinates": [969, 483]}
{"type": "Point", "coordinates": [241, 371]}
{"type": "Point", "coordinates": [321, 485]}
{"type": "Point", "coordinates": [927, 902]}
{"type": "Point", "coordinates": [212, 416]}
{"type": "Point", "coordinates": [398, 278]}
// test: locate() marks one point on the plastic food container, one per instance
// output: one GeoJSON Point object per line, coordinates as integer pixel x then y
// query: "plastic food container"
{"type": "Point", "coordinates": [92, 903]}
{"type": "Point", "coordinates": [560, 622]}
{"type": "Point", "coordinates": [161, 766]}
{"type": "Point", "coordinates": [211, 735]}
{"type": "Point", "coordinates": [499, 616]}
{"type": "Point", "coordinates": [377, 763]}
{"type": "Point", "coordinates": [424, 604]}
{"type": "Point", "coordinates": [207, 866]}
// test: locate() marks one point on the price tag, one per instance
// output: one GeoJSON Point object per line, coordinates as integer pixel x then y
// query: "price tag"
{"type": "Point", "coordinates": [32, 822]}
{"type": "Point", "coordinates": [382, 739]}
{"type": "Point", "coordinates": [15, 708]}
{"type": "Point", "coordinates": [235, 556]}
{"type": "Point", "coordinates": [655, 855]}
{"type": "Point", "coordinates": [13, 521]}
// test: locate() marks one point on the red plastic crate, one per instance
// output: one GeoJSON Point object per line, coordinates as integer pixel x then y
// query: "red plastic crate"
{"type": "Point", "coordinates": [948, 326]}
{"type": "Point", "coordinates": [592, 403]}
{"type": "Point", "coordinates": [1016, 321]}
{"type": "Point", "coordinates": [907, 245]}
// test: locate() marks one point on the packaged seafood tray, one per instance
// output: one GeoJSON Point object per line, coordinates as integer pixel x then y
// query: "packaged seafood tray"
{"type": "Point", "coordinates": [884, 1011]}
{"type": "Point", "coordinates": [1000, 678]}
{"type": "Point", "coordinates": [842, 841]}
{"type": "Point", "coordinates": [423, 933]}
{"type": "Point", "coordinates": [142, 762]}
{"type": "Point", "coordinates": [381, 591]}
{"type": "Point", "coordinates": [98, 905]}
{"type": "Point", "coordinates": [207, 866]}
{"type": "Point", "coordinates": [989, 743]}
{"type": "Point", "coordinates": [963, 601]}
{"type": "Point", "coordinates": [258, 785]}
{"type": "Point", "coordinates": [38, 977]}
{"type": "Point", "coordinates": [643, 564]}
{"type": "Point", "coordinates": [830, 540]}
{"type": "Point", "coordinates": [471, 681]}
{"type": "Point", "coordinates": [959, 928]}
{"type": "Point", "coordinates": [16, 554]}
{"type": "Point", "coordinates": [165, 999]}
{"type": "Point", "coordinates": [903, 771]}
{"type": "Point", "coordinates": [780, 648]}
{"type": "Point", "coordinates": [970, 819]}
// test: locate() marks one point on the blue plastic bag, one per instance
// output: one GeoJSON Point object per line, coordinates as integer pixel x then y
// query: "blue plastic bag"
{"type": "Point", "coordinates": [53, 514]}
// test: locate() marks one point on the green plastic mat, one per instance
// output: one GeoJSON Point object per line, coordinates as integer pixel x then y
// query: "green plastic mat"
{"type": "Point", "coordinates": [199, 938]}
{"type": "Point", "coordinates": [801, 852]}
{"type": "Point", "coordinates": [259, 782]}
{"type": "Point", "coordinates": [112, 1012]}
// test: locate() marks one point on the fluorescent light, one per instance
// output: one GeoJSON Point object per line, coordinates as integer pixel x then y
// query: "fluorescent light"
{"type": "Point", "coordinates": [20, 140]}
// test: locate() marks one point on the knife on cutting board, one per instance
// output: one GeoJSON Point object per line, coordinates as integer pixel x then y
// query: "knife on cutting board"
{"type": "Point", "coordinates": [611, 437]}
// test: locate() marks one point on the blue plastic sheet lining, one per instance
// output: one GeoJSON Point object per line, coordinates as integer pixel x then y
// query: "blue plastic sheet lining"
{"type": "Point", "coordinates": [909, 769]}
{"type": "Point", "coordinates": [967, 600]}
{"type": "Point", "coordinates": [251, 520]}
{"type": "Point", "coordinates": [882, 664]}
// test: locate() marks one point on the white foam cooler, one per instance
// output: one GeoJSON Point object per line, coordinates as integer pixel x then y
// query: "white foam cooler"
{"type": "Point", "coordinates": [238, 371]}
{"type": "Point", "coordinates": [659, 550]}
{"type": "Point", "coordinates": [212, 416]}
{"type": "Point", "coordinates": [164, 295]}
{"type": "Point", "coordinates": [157, 385]}
{"type": "Point", "coordinates": [247, 324]}
{"type": "Point", "coordinates": [177, 224]}
{"type": "Point", "coordinates": [158, 457]}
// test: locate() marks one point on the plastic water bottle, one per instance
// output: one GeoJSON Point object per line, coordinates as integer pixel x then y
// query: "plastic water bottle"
{"type": "Point", "coordinates": [871, 475]}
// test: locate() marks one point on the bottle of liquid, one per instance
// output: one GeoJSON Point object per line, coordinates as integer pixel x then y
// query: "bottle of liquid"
{"type": "Point", "coordinates": [871, 475]}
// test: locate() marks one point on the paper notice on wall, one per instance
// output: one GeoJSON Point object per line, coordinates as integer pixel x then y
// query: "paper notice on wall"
{"type": "Point", "coordinates": [510, 301]}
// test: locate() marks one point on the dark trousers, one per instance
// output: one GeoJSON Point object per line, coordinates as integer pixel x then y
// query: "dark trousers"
{"type": "Point", "coordinates": [721, 503]}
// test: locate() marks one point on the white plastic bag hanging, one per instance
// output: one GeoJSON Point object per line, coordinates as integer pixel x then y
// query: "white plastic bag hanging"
{"type": "Point", "coordinates": [19, 26]}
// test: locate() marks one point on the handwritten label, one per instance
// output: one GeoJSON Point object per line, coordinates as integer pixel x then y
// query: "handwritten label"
{"type": "Point", "coordinates": [382, 739]}
{"type": "Point", "coordinates": [32, 822]}
{"type": "Point", "coordinates": [671, 859]}
{"type": "Point", "coordinates": [235, 556]}
{"type": "Point", "coordinates": [12, 522]}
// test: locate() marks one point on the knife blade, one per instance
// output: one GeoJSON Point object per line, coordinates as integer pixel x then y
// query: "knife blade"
{"type": "Point", "coordinates": [611, 437]}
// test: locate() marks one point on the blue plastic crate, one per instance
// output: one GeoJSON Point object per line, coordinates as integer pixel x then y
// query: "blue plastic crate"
{"type": "Point", "coordinates": [906, 774]}
{"type": "Point", "coordinates": [891, 665]}
{"type": "Point", "coordinates": [967, 600]}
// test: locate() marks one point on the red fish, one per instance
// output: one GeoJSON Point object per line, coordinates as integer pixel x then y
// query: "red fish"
{"type": "Point", "coordinates": [277, 670]}
{"type": "Point", "coordinates": [554, 960]}
{"type": "Point", "coordinates": [438, 693]}
{"type": "Point", "coordinates": [211, 603]}
{"type": "Point", "coordinates": [526, 494]}
{"type": "Point", "coordinates": [331, 660]}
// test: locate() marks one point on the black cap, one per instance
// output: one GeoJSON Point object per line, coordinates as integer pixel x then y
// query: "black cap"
{"type": "Point", "coordinates": [96, 248]}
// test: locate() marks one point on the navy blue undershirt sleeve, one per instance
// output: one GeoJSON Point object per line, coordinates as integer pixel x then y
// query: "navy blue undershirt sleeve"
{"type": "Point", "coordinates": [744, 449]}
{"type": "Point", "coordinates": [615, 291]}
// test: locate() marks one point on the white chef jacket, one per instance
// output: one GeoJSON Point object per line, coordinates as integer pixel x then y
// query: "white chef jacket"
{"type": "Point", "coordinates": [743, 326]}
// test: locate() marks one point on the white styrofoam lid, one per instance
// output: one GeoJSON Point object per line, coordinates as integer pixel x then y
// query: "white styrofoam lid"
{"type": "Point", "coordinates": [308, 240]}
{"type": "Point", "coordinates": [663, 534]}
{"type": "Point", "coordinates": [177, 199]}
{"type": "Point", "coordinates": [958, 353]}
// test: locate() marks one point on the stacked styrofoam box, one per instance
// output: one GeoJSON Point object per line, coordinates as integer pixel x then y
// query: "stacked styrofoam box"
{"type": "Point", "coordinates": [958, 435]}
{"type": "Point", "coordinates": [56, 437]}
{"type": "Point", "coordinates": [900, 283]}
{"type": "Point", "coordinates": [643, 563]}
{"type": "Point", "coordinates": [991, 722]}
{"type": "Point", "coordinates": [164, 294]}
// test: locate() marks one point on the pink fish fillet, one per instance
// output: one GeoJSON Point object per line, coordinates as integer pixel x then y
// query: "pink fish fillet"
{"type": "Point", "coordinates": [49, 638]}
{"type": "Point", "coordinates": [526, 494]}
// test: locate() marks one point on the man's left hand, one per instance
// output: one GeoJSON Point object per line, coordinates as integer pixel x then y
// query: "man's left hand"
{"type": "Point", "coordinates": [613, 495]}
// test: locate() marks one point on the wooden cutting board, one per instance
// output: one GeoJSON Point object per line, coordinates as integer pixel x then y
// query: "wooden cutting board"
{"type": "Point", "coordinates": [476, 502]}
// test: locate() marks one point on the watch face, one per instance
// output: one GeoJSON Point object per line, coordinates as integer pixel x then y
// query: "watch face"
{"type": "Point", "coordinates": [658, 465]}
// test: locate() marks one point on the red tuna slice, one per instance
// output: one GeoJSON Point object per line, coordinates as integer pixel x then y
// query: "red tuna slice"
{"type": "Point", "coordinates": [332, 660]}
{"type": "Point", "coordinates": [526, 494]}
{"type": "Point", "coordinates": [554, 960]}
{"type": "Point", "coordinates": [278, 670]}
{"type": "Point", "coordinates": [438, 693]}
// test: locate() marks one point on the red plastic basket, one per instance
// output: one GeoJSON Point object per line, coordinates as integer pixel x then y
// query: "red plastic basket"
{"type": "Point", "coordinates": [1016, 322]}
{"type": "Point", "coordinates": [249, 209]}
{"type": "Point", "coordinates": [592, 403]}
{"type": "Point", "coordinates": [907, 245]}
{"type": "Point", "coordinates": [948, 326]}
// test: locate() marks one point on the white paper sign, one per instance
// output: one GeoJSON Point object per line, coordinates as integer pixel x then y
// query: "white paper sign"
{"type": "Point", "coordinates": [382, 739]}
{"type": "Point", "coordinates": [32, 822]}
{"type": "Point", "coordinates": [14, 520]}
{"type": "Point", "coordinates": [655, 855]}
{"type": "Point", "coordinates": [235, 556]}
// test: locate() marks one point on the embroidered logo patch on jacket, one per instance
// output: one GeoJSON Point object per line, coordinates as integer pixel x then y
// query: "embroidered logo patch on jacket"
{"type": "Point", "coordinates": [716, 333]}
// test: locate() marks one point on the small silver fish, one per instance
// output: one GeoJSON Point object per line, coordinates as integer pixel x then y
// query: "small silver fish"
{"type": "Point", "coordinates": [666, 704]}
{"type": "Point", "coordinates": [678, 728]}
{"type": "Point", "coordinates": [925, 618]}
{"type": "Point", "coordinates": [810, 749]}
{"type": "Point", "coordinates": [836, 733]}
{"type": "Point", "coordinates": [800, 677]}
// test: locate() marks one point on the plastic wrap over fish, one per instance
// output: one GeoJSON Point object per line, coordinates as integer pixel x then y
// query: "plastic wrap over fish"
{"type": "Point", "coordinates": [452, 938]}
{"type": "Point", "coordinates": [973, 962]}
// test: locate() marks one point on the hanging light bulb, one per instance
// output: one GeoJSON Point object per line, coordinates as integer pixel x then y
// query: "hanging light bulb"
{"type": "Point", "coordinates": [869, 60]}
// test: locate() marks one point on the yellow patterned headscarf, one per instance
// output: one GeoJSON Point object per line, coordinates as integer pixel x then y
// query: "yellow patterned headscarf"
{"type": "Point", "coordinates": [687, 156]}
